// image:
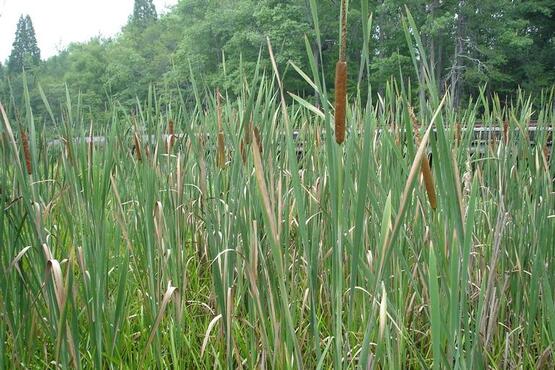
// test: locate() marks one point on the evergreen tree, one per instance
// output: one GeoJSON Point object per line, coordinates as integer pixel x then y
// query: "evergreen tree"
{"type": "Point", "coordinates": [15, 61]}
{"type": "Point", "coordinates": [144, 12]}
{"type": "Point", "coordinates": [2, 72]}
{"type": "Point", "coordinates": [31, 41]}
{"type": "Point", "coordinates": [25, 51]}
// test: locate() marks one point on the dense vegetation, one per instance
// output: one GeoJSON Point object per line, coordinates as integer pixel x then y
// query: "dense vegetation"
{"type": "Point", "coordinates": [505, 44]}
{"type": "Point", "coordinates": [200, 232]}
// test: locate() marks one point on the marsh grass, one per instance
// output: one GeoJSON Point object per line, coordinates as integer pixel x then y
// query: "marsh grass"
{"type": "Point", "coordinates": [330, 259]}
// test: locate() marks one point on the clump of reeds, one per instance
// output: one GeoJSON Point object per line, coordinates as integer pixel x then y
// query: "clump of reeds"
{"type": "Point", "coordinates": [425, 166]}
{"type": "Point", "coordinates": [341, 79]}
{"type": "Point", "coordinates": [26, 151]}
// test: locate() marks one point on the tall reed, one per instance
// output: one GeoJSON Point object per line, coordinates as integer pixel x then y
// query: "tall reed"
{"type": "Point", "coordinates": [341, 79]}
{"type": "Point", "coordinates": [425, 167]}
{"type": "Point", "coordinates": [26, 151]}
{"type": "Point", "coordinates": [221, 141]}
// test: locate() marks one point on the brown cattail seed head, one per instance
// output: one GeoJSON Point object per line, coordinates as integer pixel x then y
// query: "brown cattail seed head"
{"type": "Point", "coordinates": [221, 150]}
{"type": "Point", "coordinates": [429, 182]}
{"type": "Point", "coordinates": [244, 143]}
{"type": "Point", "coordinates": [170, 127]}
{"type": "Point", "coordinates": [425, 166]}
{"type": "Point", "coordinates": [506, 132]}
{"type": "Point", "coordinates": [248, 132]}
{"type": "Point", "coordinates": [341, 79]}
{"type": "Point", "coordinates": [243, 151]}
{"type": "Point", "coordinates": [26, 151]}
{"type": "Point", "coordinates": [340, 100]}
{"type": "Point", "coordinates": [257, 138]}
{"type": "Point", "coordinates": [137, 147]}
{"type": "Point", "coordinates": [221, 142]}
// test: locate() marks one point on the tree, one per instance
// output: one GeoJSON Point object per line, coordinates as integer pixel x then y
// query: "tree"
{"type": "Point", "coordinates": [504, 44]}
{"type": "Point", "coordinates": [144, 12]}
{"type": "Point", "coordinates": [32, 45]}
{"type": "Point", "coordinates": [236, 31]}
{"type": "Point", "coordinates": [2, 83]}
{"type": "Point", "coordinates": [85, 72]}
{"type": "Point", "coordinates": [25, 52]}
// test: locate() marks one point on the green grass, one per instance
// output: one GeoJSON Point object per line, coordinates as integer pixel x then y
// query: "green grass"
{"type": "Point", "coordinates": [332, 259]}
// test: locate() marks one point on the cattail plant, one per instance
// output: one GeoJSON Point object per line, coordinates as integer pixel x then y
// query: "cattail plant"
{"type": "Point", "coordinates": [221, 142]}
{"type": "Point", "coordinates": [425, 166]}
{"type": "Point", "coordinates": [171, 136]}
{"type": "Point", "coordinates": [493, 144]}
{"type": "Point", "coordinates": [341, 79]}
{"type": "Point", "coordinates": [26, 151]}
{"type": "Point", "coordinates": [137, 147]}
{"type": "Point", "coordinates": [91, 143]}
{"type": "Point", "coordinates": [69, 151]}
{"type": "Point", "coordinates": [247, 140]}
{"type": "Point", "coordinates": [303, 246]}
{"type": "Point", "coordinates": [258, 139]}
{"type": "Point", "coordinates": [505, 132]}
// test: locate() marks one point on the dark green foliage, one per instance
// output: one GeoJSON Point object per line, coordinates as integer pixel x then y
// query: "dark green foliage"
{"type": "Point", "coordinates": [469, 43]}
{"type": "Point", "coordinates": [25, 52]}
{"type": "Point", "coordinates": [144, 13]}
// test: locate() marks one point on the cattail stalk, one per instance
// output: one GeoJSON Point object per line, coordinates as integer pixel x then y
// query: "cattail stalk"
{"type": "Point", "coordinates": [91, 145]}
{"type": "Point", "coordinates": [171, 138]}
{"type": "Point", "coordinates": [429, 182]}
{"type": "Point", "coordinates": [340, 100]}
{"type": "Point", "coordinates": [506, 132]}
{"type": "Point", "coordinates": [221, 150]}
{"type": "Point", "coordinates": [458, 133]}
{"type": "Point", "coordinates": [221, 141]}
{"type": "Point", "coordinates": [258, 139]}
{"type": "Point", "coordinates": [251, 131]}
{"type": "Point", "coordinates": [138, 147]}
{"type": "Point", "coordinates": [248, 132]}
{"type": "Point", "coordinates": [26, 151]}
{"type": "Point", "coordinates": [243, 151]}
{"type": "Point", "coordinates": [341, 79]}
{"type": "Point", "coordinates": [69, 151]}
{"type": "Point", "coordinates": [425, 165]}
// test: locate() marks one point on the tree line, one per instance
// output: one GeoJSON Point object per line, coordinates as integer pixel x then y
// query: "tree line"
{"type": "Point", "coordinates": [502, 44]}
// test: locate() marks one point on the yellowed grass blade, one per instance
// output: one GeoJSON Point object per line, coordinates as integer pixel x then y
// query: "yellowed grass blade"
{"type": "Point", "coordinates": [165, 300]}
